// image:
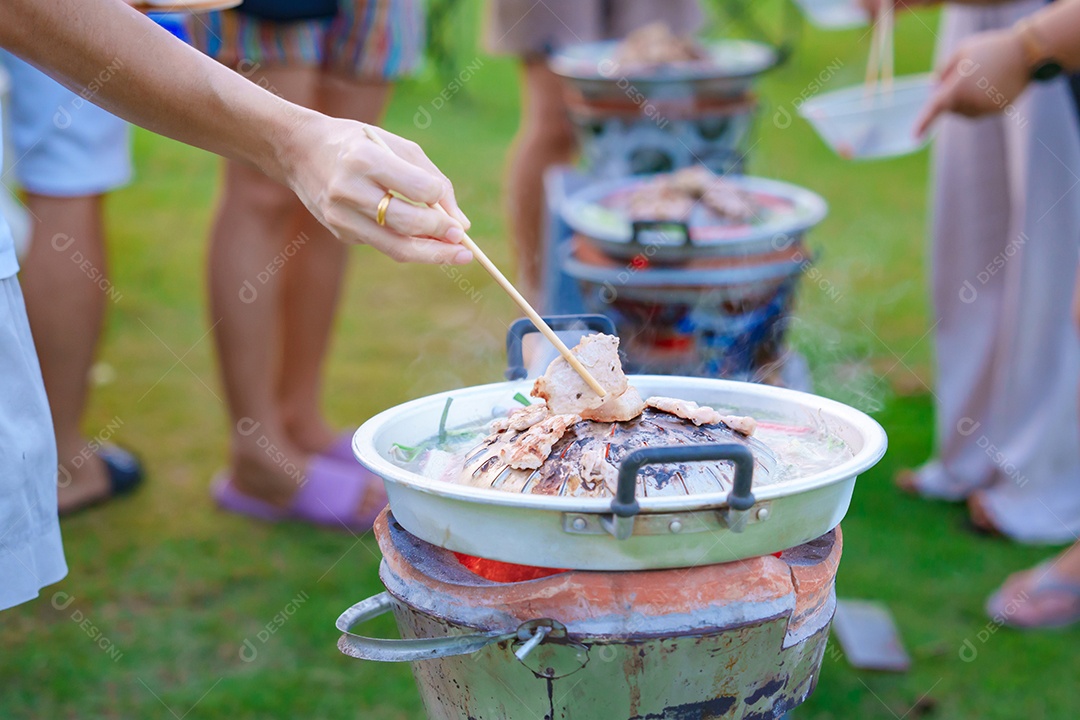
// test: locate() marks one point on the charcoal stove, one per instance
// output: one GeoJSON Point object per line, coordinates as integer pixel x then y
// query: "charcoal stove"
{"type": "Point", "coordinates": [701, 587]}
{"type": "Point", "coordinates": [619, 137]}
{"type": "Point", "coordinates": [698, 296]}
{"type": "Point", "coordinates": [723, 317]}
{"type": "Point", "coordinates": [744, 639]}
{"type": "Point", "coordinates": [639, 120]}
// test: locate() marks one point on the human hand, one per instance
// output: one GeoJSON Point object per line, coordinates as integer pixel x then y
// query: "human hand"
{"type": "Point", "coordinates": [341, 175]}
{"type": "Point", "coordinates": [985, 74]}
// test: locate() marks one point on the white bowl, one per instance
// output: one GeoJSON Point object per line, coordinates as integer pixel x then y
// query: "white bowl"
{"type": "Point", "coordinates": [833, 14]}
{"type": "Point", "coordinates": [878, 124]}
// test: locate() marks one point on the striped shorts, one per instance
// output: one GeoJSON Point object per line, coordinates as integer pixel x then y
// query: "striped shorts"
{"type": "Point", "coordinates": [367, 39]}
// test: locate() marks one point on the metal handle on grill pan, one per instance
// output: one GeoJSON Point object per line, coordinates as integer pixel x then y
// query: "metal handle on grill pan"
{"type": "Point", "coordinates": [652, 228]}
{"type": "Point", "coordinates": [515, 336]}
{"type": "Point", "coordinates": [387, 650]}
{"type": "Point", "coordinates": [625, 505]}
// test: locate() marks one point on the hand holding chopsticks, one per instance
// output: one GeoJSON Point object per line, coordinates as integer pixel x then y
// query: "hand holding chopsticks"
{"type": "Point", "coordinates": [506, 285]}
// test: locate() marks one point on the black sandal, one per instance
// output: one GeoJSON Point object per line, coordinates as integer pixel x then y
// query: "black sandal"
{"type": "Point", "coordinates": [125, 472]}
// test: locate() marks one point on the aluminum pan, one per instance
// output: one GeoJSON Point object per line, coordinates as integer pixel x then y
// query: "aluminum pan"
{"type": "Point", "coordinates": [531, 529]}
{"type": "Point", "coordinates": [418, 420]}
{"type": "Point", "coordinates": [611, 228]}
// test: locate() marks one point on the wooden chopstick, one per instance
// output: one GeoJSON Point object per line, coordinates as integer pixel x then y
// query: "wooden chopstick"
{"type": "Point", "coordinates": [879, 66]}
{"type": "Point", "coordinates": [887, 48]}
{"type": "Point", "coordinates": [506, 285]}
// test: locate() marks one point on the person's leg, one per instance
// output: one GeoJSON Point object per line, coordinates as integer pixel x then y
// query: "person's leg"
{"type": "Point", "coordinates": [68, 154]}
{"type": "Point", "coordinates": [255, 225]}
{"type": "Point", "coordinates": [312, 282]}
{"type": "Point", "coordinates": [1030, 429]}
{"type": "Point", "coordinates": [970, 217]}
{"type": "Point", "coordinates": [1049, 593]}
{"type": "Point", "coordinates": [544, 138]}
{"type": "Point", "coordinates": [66, 305]}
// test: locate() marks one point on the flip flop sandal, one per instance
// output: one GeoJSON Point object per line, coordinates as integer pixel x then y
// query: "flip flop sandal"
{"type": "Point", "coordinates": [125, 473]}
{"type": "Point", "coordinates": [1014, 606]}
{"type": "Point", "coordinates": [330, 495]}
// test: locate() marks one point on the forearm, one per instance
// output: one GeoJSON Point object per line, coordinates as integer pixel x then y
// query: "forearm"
{"type": "Point", "coordinates": [1058, 24]}
{"type": "Point", "coordinates": [123, 62]}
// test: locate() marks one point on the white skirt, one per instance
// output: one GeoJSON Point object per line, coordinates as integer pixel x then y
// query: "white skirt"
{"type": "Point", "coordinates": [1006, 233]}
{"type": "Point", "coordinates": [31, 554]}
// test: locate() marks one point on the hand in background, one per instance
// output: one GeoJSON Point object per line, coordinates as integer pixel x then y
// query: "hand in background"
{"type": "Point", "coordinates": [341, 175]}
{"type": "Point", "coordinates": [873, 8]}
{"type": "Point", "coordinates": [985, 74]}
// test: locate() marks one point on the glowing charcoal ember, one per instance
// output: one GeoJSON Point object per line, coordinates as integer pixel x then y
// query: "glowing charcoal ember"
{"type": "Point", "coordinates": [503, 572]}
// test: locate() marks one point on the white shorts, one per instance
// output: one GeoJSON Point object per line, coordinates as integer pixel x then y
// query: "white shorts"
{"type": "Point", "coordinates": [62, 144]}
{"type": "Point", "coordinates": [31, 554]}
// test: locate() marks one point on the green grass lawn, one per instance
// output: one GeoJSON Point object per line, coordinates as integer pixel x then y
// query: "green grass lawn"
{"type": "Point", "coordinates": [177, 587]}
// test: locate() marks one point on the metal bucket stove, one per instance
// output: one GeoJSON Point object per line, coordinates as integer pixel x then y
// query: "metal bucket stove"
{"type": "Point", "coordinates": [679, 307]}
{"type": "Point", "coordinates": [698, 296]}
{"type": "Point", "coordinates": [701, 586]}
{"type": "Point", "coordinates": [621, 137]}
{"type": "Point", "coordinates": [632, 120]}
{"type": "Point", "coordinates": [744, 639]}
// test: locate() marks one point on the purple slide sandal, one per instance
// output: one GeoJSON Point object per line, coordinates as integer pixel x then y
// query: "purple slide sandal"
{"type": "Point", "coordinates": [330, 495]}
{"type": "Point", "coordinates": [341, 449]}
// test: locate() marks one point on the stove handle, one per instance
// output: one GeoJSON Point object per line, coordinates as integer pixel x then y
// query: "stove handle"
{"type": "Point", "coordinates": [625, 505]}
{"type": "Point", "coordinates": [515, 336]}
{"type": "Point", "coordinates": [388, 650]}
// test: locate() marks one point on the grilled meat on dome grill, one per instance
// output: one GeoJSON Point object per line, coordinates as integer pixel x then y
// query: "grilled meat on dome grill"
{"type": "Point", "coordinates": [572, 441]}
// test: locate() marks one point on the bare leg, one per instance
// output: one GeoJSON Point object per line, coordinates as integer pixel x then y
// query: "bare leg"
{"type": "Point", "coordinates": [255, 224]}
{"type": "Point", "coordinates": [65, 304]}
{"type": "Point", "coordinates": [312, 285]}
{"type": "Point", "coordinates": [545, 138]}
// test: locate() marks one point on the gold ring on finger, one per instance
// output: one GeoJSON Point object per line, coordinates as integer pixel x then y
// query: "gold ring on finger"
{"type": "Point", "coordinates": [380, 215]}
